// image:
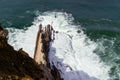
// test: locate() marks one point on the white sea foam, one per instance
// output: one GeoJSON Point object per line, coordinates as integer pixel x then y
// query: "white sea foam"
{"type": "Point", "coordinates": [71, 52]}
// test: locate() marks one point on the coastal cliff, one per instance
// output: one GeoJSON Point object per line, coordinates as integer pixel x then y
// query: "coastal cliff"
{"type": "Point", "coordinates": [17, 65]}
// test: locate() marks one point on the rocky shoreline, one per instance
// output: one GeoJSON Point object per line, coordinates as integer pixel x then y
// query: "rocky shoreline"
{"type": "Point", "coordinates": [17, 65]}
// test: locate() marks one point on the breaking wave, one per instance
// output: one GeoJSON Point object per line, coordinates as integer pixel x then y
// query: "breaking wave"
{"type": "Point", "coordinates": [72, 52]}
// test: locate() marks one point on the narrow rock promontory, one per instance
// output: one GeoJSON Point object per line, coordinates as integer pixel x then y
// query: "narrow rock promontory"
{"type": "Point", "coordinates": [42, 50]}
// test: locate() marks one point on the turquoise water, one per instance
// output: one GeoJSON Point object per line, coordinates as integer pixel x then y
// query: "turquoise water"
{"type": "Point", "coordinates": [100, 18]}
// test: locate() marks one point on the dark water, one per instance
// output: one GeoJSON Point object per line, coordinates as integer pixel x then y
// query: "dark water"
{"type": "Point", "coordinates": [100, 18]}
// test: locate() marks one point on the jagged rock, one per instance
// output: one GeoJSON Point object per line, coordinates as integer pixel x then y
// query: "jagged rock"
{"type": "Point", "coordinates": [17, 65]}
{"type": "Point", "coordinates": [55, 73]}
{"type": "Point", "coordinates": [3, 32]}
{"type": "Point", "coordinates": [23, 52]}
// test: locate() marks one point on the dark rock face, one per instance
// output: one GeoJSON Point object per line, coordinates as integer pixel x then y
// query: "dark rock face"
{"type": "Point", "coordinates": [16, 65]}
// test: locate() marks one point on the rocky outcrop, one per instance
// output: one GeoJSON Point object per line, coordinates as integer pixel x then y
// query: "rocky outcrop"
{"type": "Point", "coordinates": [41, 52]}
{"type": "Point", "coordinates": [17, 65]}
{"type": "Point", "coordinates": [42, 45]}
